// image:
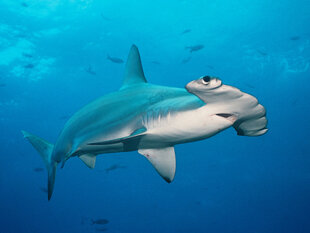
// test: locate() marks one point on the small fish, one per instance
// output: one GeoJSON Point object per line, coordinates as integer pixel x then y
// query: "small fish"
{"type": "Point", "coordinates": [115, 59]}
{"type": "Point", "coordinates": [24, 4]}
{"type": "Point", "coordinates": [156, 62]}
{"type": "Point", "coordinates": [294, 102]}
{"type": "Point", "coordinates": [197, 202]}
{"type": "Point", "coordinates": [186, 31]}
{"type": "Point", "coordinates": [195, 48]}
{"type": "Point", "coordinates": [210, 67]}
{"type": "Point", "coordinates": [114, 167]}
{"type": "Point", "coordinates": [100, 221]}
{"type": "Point", "coordinates": [27, 55]}
{"type": "Point", "coordinates": [43, 189]}
{"type": "Point", "coordinates": [262, 52]}
{"type": "Point", "coordinates": [185, 60]}
{"type": "Point", "coordinates": [83, 220]}
{"type": "Point", "coordinates": [295, 38]}
{"type": "Point", "coordinates": [38, 169]}
{"type": "Point", "coordinates": [64, 117]}
{"type": "Point", "coordinates": [249, 85]}
{"type": "Point", "coordinates": [29, 66]}
{"type": "Point", "coordinates": [90, 70]}
{"type": "Point", "coordinates": [2, 84]}
{"type": "Point", "coordinates": [101, 229]}
{"type": "Point", "coordinates": [104, 17]}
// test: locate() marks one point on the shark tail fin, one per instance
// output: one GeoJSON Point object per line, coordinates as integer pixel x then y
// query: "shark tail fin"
{"type": "Point", "coordinates": [45, 150]}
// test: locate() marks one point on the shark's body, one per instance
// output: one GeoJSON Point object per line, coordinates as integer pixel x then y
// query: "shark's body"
{"type": "Point", "coordinates": [143, 107]}
{"type": "Point", "coordinates": [151, 119]}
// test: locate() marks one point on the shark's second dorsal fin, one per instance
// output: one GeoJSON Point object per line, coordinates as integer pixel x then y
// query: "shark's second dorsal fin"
{"type": "Point", "coordinates": [133, 71]}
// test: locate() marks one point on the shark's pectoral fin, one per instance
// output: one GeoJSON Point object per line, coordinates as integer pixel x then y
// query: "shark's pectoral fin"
{"type": "Point", "coordinates": [131, 141]}
{"type": "Point", "coordinates": [163, 160]}
{"type": "Point", "coordinates": [89, 160]}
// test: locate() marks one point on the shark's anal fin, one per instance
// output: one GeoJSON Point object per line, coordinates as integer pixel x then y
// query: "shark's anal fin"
{"type": "Point", "coordinates": [163, 160]}
{"type": "Point", "coordinates": [132, 138]}
{"type": "Point", "coordinates": [133, 72]}
{"type": "Point", "coordinates": [89, 160]}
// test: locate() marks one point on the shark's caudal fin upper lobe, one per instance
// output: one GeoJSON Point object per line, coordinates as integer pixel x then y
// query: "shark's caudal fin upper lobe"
{"type": "Point", "coordinates": [45, 149]}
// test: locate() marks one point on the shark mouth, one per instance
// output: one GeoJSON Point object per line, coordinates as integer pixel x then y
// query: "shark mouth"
{"type": "Point", "coordinates": [227, 116]}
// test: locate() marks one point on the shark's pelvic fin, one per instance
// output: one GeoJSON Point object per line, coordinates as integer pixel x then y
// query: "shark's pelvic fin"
{"type": "Point", "coordinates": [136, 135]}
{"type": "Point", "coordinates": [133, 72]}
{"type": "Point", "coordinates": [89, 160]}
{"type": "Point", "coordinates": [45, 149]}
{"type": "Point", "coordinates": [163, 160]}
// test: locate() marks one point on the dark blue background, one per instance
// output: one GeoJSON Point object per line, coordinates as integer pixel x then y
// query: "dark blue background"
{"type": "Point", "coordinates": [224, 184]}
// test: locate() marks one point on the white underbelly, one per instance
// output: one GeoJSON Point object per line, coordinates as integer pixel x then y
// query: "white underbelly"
{"type": "Point", "coordinates": [181, 127]}
{"type": "Point", "coordinates": [169, 129]}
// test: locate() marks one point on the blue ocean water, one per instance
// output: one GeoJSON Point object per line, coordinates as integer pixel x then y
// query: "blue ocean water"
{"type": "Point", "coordinates": [53, 61]}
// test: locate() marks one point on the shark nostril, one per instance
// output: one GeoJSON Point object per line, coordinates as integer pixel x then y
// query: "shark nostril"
{"type": "Point", "coordinates": [231, 117]}
{"type": "Point", "coordinates": [225, 115]}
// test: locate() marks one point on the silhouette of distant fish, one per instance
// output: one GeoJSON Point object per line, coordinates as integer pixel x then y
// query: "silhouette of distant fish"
{"type": "Point", "coordinates": [198, 202]}
{"type": "Point", "coordinates": [104, 17]}
{"type": "Point", "coordinates": [210, 67]}
{"type": "Point", "coordinates": [262, 52]}
{"type": "Point", "coordinates": [38, 169]}
{"type": "Point", "coordinates": [115, 59]}
{"type": "Point", "coordinates": [29, 66]}
{"type": "Point", "coordinates": [24, 4]}
{"type": "Point", "coordinates": [43, 189]}
{"type": "Point", "coordinates": [185, 60]}
{"type": "Point", "coordinates": [2, 84]}
{"type": "Point", "coordinates": [295, 38]}
{"type": "Point", "coordinates": [64, 117]}
{"type": "Point", "coordinates": [100, 221]}
{"type": "Point", "coordinates": [90, 70]}
{"type": "Point", "coordinates": [186, 31]}
{"type": "Point", "coordinates": [27, 55]}
{"type": "Point", "coordinates": [114, 167]}
{"type": "Point", "coordinates": [294, 102]}
{"type": "Point", "coordinates": [101, 229]}
{"type": "Point", "coordinates": [84, 220]}
{"type": "Point", "coordinates": [249, 85]}
{"type": "Point", "coordinates": [156, 62]}
{"type": "Point", "coordinates": [195, 48]}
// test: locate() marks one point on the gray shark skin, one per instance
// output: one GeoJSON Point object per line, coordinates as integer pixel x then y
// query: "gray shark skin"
{"type": "Point", "coordinates": [151, 119]}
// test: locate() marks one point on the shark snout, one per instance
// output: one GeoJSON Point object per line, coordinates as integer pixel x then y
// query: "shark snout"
{"type": "Point", "coordinates": [189, 85]}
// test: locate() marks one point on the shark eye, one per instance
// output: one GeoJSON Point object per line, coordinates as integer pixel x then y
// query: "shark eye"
{"type": "Point", "coordinates": [206, 79]}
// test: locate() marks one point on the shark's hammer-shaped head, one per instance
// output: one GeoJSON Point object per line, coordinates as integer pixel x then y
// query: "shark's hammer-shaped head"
{"type": "Point", "coordinates": [247, 115]}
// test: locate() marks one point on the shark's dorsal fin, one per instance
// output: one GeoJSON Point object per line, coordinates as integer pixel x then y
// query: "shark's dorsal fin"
{"type": "Point", "coordinates": [163, 160]}
{"type": "Point", "coordinates": [133, 72]}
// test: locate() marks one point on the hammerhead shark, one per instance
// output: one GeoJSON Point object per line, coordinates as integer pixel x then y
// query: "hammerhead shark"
{"type": "Point", "coordinates": [151, 119]}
